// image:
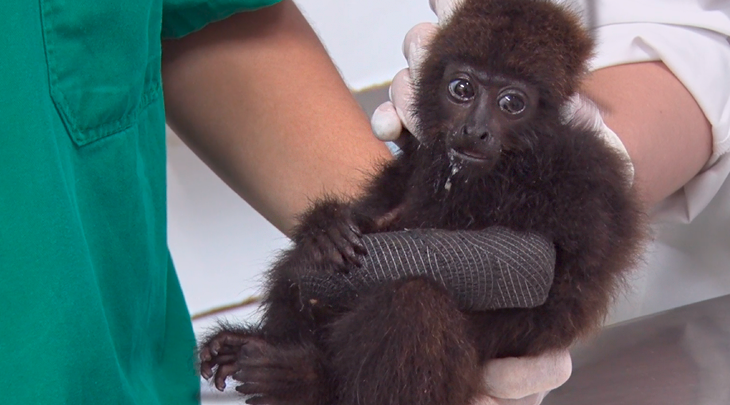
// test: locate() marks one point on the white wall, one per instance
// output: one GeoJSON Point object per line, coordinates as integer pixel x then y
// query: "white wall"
{"type": "Point", "coordinates": [364, 37]}
{"type": "Point", "coordinates": [220, 246]}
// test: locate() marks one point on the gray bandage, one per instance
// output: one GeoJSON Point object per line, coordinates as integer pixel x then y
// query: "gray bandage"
{"type": "Point", "coordinates": [489, 269]}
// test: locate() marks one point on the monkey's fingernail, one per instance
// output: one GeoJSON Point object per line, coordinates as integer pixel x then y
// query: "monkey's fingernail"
{"type": "Point", "coordinates": [349, 252]}
{"type": "Point", "coordinates": [214, 348]}
{"type": "Point", "coordinates": [355, 230]}
{"type": "Point", "coordinates": [338, 259]}
{"type": "Point", "coordinates": [359, 245]}
{"type": "Point", "coordinates": [356, 242]}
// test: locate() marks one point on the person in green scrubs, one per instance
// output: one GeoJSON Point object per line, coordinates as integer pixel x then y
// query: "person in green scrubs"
{"type": "Point", "coordinates": [91, 311]}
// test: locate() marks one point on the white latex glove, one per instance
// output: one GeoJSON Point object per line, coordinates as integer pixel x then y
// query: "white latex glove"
{"type": "Point", "coordinates": [584, 110]}
{"type": "Point", "coordinates": [524, 380]}
{"type": "Point", "coordinates": [391, 117]}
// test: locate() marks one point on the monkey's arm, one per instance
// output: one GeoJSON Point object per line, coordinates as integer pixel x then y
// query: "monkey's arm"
{"type": "Point", "coordinates": [258, 99]}
{"type": "Point", "coordinates": [486, 269]}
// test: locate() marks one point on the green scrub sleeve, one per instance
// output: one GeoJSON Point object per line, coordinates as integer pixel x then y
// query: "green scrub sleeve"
{"type": "Point", "coordinates": [181, 17]}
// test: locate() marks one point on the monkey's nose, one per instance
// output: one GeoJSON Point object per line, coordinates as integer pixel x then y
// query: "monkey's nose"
{"type": "Point", "coordinates": [471, 133]}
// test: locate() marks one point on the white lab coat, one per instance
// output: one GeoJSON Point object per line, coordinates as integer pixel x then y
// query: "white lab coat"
{"type": "Point", "coordinates": [690, 258]}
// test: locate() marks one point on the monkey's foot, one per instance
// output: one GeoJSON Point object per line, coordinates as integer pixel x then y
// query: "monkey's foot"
{"type": "Point", "coordinates": [275, 375]}
{"type": "Point", "coordinates": [220, 352]}
{"type": "Point", "coordinates": [332, 236]}
{"type": "Point", "coordinates": [268, 374]}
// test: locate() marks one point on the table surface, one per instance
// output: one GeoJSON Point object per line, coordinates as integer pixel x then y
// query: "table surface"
{"type": "Point", "coordinates": [677, 357]}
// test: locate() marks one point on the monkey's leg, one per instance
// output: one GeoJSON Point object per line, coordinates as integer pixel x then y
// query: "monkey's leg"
{"type": "Point", "coordinates": [404, 344]}
{"type": "Point", "coordinates": [277, 361]}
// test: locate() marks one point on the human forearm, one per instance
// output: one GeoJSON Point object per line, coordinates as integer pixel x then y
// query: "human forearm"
{"type": "Point", "coordinates": [258, 99]}
{"type": "Point", "coordinates": [665, 132]}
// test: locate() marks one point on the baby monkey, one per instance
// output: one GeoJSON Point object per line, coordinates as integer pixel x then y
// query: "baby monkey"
{"type": "Point", "coordinates": [494, 149]}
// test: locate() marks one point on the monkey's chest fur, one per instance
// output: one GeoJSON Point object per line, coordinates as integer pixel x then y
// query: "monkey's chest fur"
{"type": "Point", "coordinates": [571, 189]}
{"type": "Point", "coordinates": [406, 342]}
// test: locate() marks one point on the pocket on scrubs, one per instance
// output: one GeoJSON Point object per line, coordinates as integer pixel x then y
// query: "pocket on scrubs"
{"type": "Point", "coordinates": [103, 62]}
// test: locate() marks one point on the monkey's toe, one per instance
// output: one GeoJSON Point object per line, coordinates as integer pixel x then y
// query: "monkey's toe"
{"type": "Point", "coordinates": [222, 373]}
{"type": "Point", "coordinates": [224, 342]}
{"type": "Point", "coordinates": [220, 352]}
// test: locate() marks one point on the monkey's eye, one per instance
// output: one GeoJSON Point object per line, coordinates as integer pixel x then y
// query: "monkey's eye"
{"type": "Point", "coordinates": [461, 89]}
{"type": "Point", "coordinates": [512, 103]}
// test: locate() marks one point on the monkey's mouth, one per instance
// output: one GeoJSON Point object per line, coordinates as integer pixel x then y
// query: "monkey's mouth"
{"type": "Point", "coordinates": [471, 155]}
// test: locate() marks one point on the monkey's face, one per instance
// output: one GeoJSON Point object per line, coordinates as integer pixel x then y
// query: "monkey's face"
{"type": "Point", "coordinates": [484, 114]}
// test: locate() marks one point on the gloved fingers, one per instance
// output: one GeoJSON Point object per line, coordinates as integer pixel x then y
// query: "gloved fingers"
{"type": "Point", "coordinates": [444, 8]}
{"type": "Point", "coordinates": [414, 46]}
{"type": "Point", "coordinates": [534, 399]}
{"type": "Point", "coordinates": [385, 122]}
{"type": "Point", "coordinates": [389, 118]}
{"type": "Point", "coordinates": [401, 94]}
{"type": "Point", "coordinates": [520, 377]}
{"type": "Point", "coordinates": [583, 110]}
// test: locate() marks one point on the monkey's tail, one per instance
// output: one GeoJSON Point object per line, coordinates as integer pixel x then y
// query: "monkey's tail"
{"type": "Point", "coordinates": [405, 343]}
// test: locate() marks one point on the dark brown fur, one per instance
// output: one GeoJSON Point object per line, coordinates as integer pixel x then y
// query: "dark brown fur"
{"type": "Point", "coordinates": [406, 342]}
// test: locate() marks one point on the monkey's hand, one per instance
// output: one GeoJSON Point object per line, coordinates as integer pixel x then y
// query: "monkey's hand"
{"type": "Point", "coordinates": [331, 234]}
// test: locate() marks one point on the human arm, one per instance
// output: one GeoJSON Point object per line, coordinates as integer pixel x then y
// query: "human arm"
{"type": "Point", "coordinates": [666, 134]}
{"type": "Point", "coordinates": [258, 99]}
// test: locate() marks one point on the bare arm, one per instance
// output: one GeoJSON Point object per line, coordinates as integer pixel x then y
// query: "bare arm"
{"type": "Point", "coordinates": [258, 99]}
{"type": "Point", "coordinates": [665, 132]}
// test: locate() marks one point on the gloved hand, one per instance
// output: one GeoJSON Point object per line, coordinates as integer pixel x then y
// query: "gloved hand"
{"type": "Point", "coordinates": [391, 117]}
{"type": "Point", "coordinates": [526, 380]}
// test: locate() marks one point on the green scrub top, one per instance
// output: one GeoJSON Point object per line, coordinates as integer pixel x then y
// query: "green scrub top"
{"type": "Point", "coordinates": [91, 311]}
